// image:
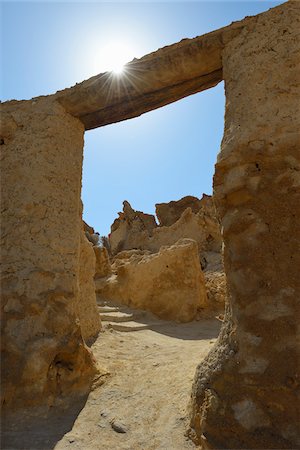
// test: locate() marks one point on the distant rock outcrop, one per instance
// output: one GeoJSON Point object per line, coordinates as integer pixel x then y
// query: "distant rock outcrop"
{"type": "Point", "coordinates": [187, 218]}
{"type": "Point", "coordinates": [131, 229]}
{"type": "Point", "coordinates": [144, 254]}
{"type": "Point", "coordinates": [169, 213]}
{"type": "Point", "coordinates": [169, 283]}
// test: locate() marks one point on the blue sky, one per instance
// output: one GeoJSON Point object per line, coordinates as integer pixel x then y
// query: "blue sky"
{"type": "Point", "coordinates": [162, 155]}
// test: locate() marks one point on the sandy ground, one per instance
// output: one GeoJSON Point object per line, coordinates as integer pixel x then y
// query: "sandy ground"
{"type": "Point", "coordinates": [146, 393]}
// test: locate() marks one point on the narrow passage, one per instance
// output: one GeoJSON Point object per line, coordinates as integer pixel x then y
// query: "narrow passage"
{"type": "Point", "coordinates": [146, 393]}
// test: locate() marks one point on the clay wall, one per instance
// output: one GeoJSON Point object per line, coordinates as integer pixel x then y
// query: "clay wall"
{"type": "Point", "coordinates": [44, 355]}
{"type": "Point", "coordinates": [86, 305]}
{"type": "Point", "coordinates": [244, 394]}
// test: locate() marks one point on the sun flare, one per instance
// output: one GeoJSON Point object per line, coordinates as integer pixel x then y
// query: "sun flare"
{"type": "Point", "coordinates": [114, 56]}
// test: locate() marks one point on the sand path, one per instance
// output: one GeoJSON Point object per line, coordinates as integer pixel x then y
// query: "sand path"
{"type": "Point", "coordinates": [146, 393]}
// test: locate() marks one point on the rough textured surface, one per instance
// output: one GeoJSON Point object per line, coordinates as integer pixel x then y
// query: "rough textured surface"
{"type": "Point", "coordinates": [170, 283]}
{"type": "Point", "coordinates": [169, 213]}
{"type": "Point", "coordinates": [201, 227]}
{"type": "Point", "coordinates": [103, 266]}
{"type": "Point", "coordinates": [245, 393]}
{"type": "Point", "coordinates": [86, 306]}
{"type": "Point", "coordinates": [136, 230]}
{"type": "Point", "coordinates": [215, 283]}
{"type": "Point", "coordinates": [88, 228]}
{"type": "Point", "coordinates": [157, 79]}
{"type": "Point", "coordinates": [131, 229]}
{"type": "Point", "coordinates": [147, 388]}
{"type": "Point", "coordinates": [43, 354]}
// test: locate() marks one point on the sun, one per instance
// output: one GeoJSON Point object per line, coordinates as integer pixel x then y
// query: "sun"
{"type": "Point", "coordinates": [113, 57]}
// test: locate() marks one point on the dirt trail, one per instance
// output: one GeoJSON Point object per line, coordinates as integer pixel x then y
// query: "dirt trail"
{"type": "Point", "coordinates": [146, 393]}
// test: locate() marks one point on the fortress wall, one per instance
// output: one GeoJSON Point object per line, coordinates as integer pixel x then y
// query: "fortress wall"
{"type": "Point", "coordinates": [245, 392]}
{"type": "Point", "coordinates": [44, 355]}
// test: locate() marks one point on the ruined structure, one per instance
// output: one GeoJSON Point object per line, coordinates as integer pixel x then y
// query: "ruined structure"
{"type": "Point", "coordinates": [158, 268]}
{"type": "Point", "coordinates": [188, 217]}
{"type": "Point", "coordinates": [86, 306]}
{"type": "Point", "coordinates": [244, 393]}
{"type": "Point", "coordinates": [169, 213]}
{"type": "Point", "coordinates": [169, 283]}
{"type": "Point", "coordinates": [44, 355]}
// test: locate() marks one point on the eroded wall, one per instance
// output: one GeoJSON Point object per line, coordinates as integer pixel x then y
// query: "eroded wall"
{"type": "Point", "coordinates": [169, 283]}
{"type": "Point", "coordinates": [86, 306]}
{"type": "Point", "coordinates": [136, 230]}
{"type": "Point", "coordinates": [245, 392]}
{"type": "Point", "coordinates": [44, 355]}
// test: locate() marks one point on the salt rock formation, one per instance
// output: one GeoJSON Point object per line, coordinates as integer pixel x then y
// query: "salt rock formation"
{"type": "Point", "coordinates": [136, 230]}
{"type": "Point", "coordinates": [169, 213]}
{"type": "Point", "coordinates": [130, 229]}
{"type": "Point", "coordinates": [200, 227]}
{"type": "Point", "coordinates": [190, 218]}
{"type": "Point", "coordinates": [169, 283]}
{"type": "Point", "coordinates": [87, 227]}
{"type": "Point", "coordinates": [103, 266]}
{"type": "Point", "coordinates": [86, 304]}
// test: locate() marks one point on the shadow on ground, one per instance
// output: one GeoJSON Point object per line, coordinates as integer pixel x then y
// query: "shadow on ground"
{"type": "Point", "coordinates": [204, 328]}
{"type": "Point", "coordinates": [22, 431]}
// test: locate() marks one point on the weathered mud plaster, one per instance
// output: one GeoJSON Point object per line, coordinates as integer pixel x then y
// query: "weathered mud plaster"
{"type": "Point", "coordinates": [86, 307]}
{"type": "Point", "coordinates": [245, 392]}
{"type": "Point", "coordinates": [157, 79]}
{"type": "Point", "coordinates": [45, 357]}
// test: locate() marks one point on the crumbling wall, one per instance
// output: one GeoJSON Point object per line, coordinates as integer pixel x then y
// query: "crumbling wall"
{"type": "Point", "coordinates": [86, 306]}
{"type": "Point", "coordinates": [245, 392]}
{"type": "Point", "coordinates": [169, 213]}
{"type": "Point", "coordinates": [103, 266]}
{"type": "Point", "coordinates": [187, 218]}
{"type": "Point", "coordinates": [131, 230]}
{"type": "Point", "coordinates": [169, 283]}
{"type": "Point", "coordinates": [44, 355]}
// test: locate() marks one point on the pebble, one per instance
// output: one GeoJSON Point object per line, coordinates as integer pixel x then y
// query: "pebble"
{"type": "Point", "coordinates": [119, 427]}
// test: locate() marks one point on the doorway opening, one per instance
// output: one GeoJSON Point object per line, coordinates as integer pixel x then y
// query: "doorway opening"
{"type": "Point", "coordinates": [160, 167]}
